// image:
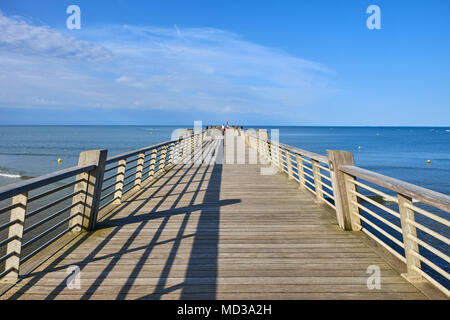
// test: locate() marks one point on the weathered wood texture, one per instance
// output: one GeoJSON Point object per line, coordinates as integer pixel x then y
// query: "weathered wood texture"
{"type": "Point", "coordinates": [216, 231]}
{"type": "Point", "coordinates": [426, 196]}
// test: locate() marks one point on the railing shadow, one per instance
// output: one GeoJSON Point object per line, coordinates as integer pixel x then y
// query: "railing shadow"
{"type": "Point", "coordinates": [209, 219]}
{"type": "Point", "coordinates": [55, 265]}
{"type": "Point", "coordinates": [201, 274]}
{"type": "Point", "coordinates": [145, 219]}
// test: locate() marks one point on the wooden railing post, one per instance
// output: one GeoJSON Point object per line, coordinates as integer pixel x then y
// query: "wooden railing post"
{"type": "Point", "coordinates": [301, 171]}
{"type": "Point", "coordinates": [194, 144]}
{"type": "Point", "coordinates": [263, 152]}
{"type": "Point", "coordinates": [317, 180]}
{"type": "Point", "coordinates": [289, 164]}
{"type": "Point", "coordinates": [162, 159]}
{"type": "Point", "coordinates": [266, 150]}
{"type": "Point", "coordinates": [258, 144]}
{"type": "Point", "coordinates": [138, 175]}
{"type": "Point", "coordinates": [171, 153]}
{"type": "Point", "coordinates": [280, 159]}
{"type": "Point", "coordinates": [406, 217]}
{"type": "Point", "coordinates": [342, 186]}
{"type": "Point", "coordinates": [151, 168]}
{"type": "Point", "coordinates": [88, 190]}
{"type": "Point", "coordinates": [176, 151]}
{"type": "Point", "coordinates": [120, 181]}
{"type": "Point", "coordinates": [182, 151]}
{"type": "Point", "coordinates": [14, 247]}
{"type": "Point", "coordinates": [272, 153]}
{"type": "Point", "coordinates": [186, 150]}
{"type": "Point", "coordinates": [182, 148]}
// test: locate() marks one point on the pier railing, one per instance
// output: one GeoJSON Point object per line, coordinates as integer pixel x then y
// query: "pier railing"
{"type": "Point", "coordinates": [46, 208]}
{"type": "Point", "coordinates": [409, 221]}
{"type": "Point", "coordinates": [309, 169]}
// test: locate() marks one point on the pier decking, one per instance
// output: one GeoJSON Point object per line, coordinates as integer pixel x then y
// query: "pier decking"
{"type": "Point", "coordinates": [217, 231]}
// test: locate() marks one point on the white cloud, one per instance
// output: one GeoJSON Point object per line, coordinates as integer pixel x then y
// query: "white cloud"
{"type": "Point", "coordinates": [17, 35]}
{"type": "Point", "coordinates": [151, 68]}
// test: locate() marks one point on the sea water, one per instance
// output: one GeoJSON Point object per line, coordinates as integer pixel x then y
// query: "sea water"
{"type": "Point", "coordinates": [399, 152]}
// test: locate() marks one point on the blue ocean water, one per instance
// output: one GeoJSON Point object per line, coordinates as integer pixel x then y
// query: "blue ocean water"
{"type": "Point", "coordinates": [399, 152]}
{"type": "Point", "coordinates": [30, 151]}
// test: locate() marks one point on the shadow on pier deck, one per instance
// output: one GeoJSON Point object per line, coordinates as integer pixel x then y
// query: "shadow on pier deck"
{"type": "Point", "coordinates": [216, 231]}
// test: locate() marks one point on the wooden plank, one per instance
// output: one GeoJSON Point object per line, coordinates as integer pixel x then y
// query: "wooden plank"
{"type": "Point", "coordinates": [216, 231]}
{"type": "Point", "coordinates": [176, 295]}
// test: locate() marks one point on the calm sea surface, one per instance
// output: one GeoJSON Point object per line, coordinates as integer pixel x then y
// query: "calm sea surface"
{"type": "Point", "coordinates": [400, 152]}
{"type": "Point", "coordinates": [29, 151]}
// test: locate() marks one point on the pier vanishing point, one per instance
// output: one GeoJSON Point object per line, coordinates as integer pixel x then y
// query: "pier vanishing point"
{"type": "Point", "coordinates": [222, 216]}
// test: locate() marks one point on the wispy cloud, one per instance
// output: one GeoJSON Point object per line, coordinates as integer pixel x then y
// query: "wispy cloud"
{"type": "Point", "coordinates": [124, 66]}
{"type": "Point", "coordinates": [16, 35]}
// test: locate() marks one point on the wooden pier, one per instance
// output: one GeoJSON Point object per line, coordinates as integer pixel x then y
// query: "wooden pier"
{"type": "Point", "coordinates": [204, 226]}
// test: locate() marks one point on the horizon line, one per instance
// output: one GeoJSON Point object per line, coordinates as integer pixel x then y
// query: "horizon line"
{"type": "Point", "coordinates": [249, 125]}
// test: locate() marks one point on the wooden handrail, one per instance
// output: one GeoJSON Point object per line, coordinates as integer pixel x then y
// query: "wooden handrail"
{"type": "Point", "coordinates": [142, 150]}
{"type": "Point", "coordinates": [427, 196]}
{"type": "Point", "coordinates": [344, 183]}
{"type": "Point", "coordinates": [86, 198]}
{"type": "Point", "coordinates": [309, 154]}
{"type": "Point", "coordinates": [14, 189]}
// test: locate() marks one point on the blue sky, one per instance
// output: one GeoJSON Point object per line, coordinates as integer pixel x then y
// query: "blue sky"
{"type": "Point", "coordinates": [248, 62]}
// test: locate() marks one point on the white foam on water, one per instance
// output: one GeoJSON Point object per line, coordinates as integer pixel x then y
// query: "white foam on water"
{"type": "Point", "coordinates": [9, 175]}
